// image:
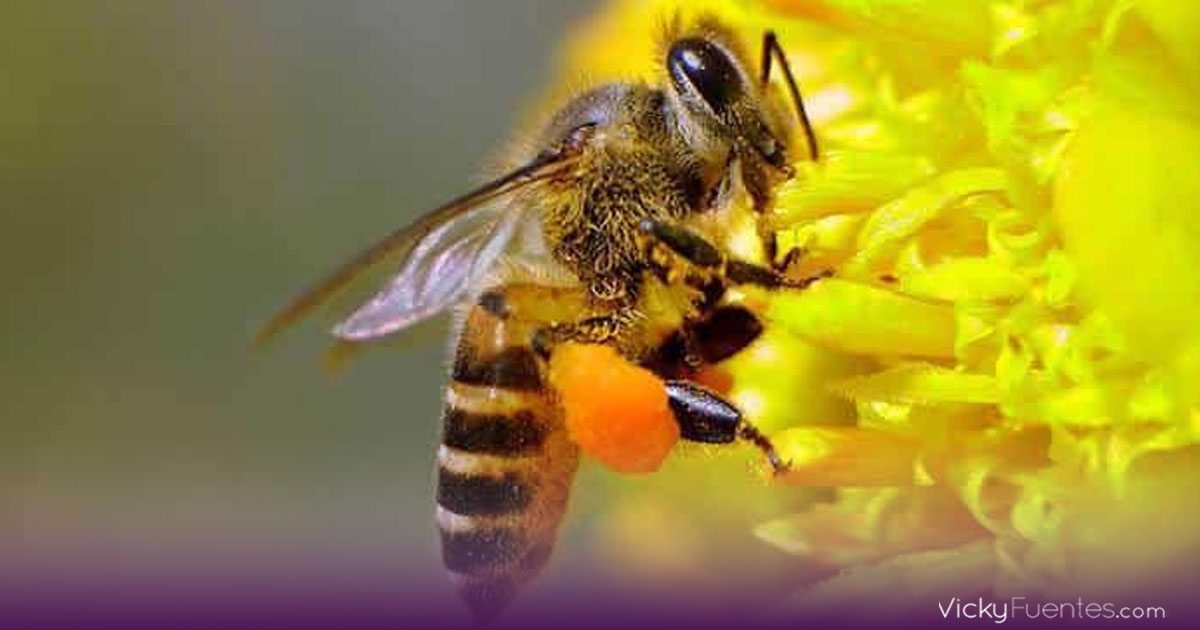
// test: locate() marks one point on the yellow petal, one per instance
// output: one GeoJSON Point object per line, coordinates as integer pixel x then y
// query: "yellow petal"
{"type": "Point", "coordinates": [847, 181]}
{"type": "Point", "coordinates": [1126, 204]}
{"type": "Point", "coordinates": [920, 384]}
{"type": "Point", "coordinates": [964, 25]}
{"type": "Point", "coordinates": [779, 382]}
{"type": "Point", "coordinates": [823, 534]}
{"type": "Point", "coordinates": [901, 218]}
{"type": "Point", "coordinates": [1178, 24]}
{"type": "Point", "coordinates": [860, 318]}
{"type": "Point", "coordinates": [837, 456]}
{"type": "Point", "coordinates": [965, 279]}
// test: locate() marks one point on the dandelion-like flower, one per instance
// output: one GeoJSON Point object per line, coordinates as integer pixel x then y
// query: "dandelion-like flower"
{"type": "Point", "coordinates": [1003, 377]}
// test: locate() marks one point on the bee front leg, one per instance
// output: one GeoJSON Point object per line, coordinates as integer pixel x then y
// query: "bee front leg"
{"type": "Point", "coordinates": [704, 416]}
{"type": "Point", "coordinates": [705, 256]}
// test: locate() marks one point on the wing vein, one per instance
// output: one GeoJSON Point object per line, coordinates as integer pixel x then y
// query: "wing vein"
{"type": "Point", "coordinates": [406, 240]}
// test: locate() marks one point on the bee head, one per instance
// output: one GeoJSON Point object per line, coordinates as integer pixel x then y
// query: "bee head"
{"type": "Point", "coordinates": [718, 99]}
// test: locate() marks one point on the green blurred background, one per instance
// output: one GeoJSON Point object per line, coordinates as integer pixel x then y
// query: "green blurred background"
{"type": "Point", "coordinates": [171, 173]}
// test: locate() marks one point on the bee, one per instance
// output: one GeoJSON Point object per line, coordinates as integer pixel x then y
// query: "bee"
{"type": "Point", "coordinates": [602, 232]}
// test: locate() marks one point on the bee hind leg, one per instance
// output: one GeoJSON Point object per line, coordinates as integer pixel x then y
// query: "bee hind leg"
{"type": "Point", "coordinates": [596, 329]}
{"type": "Point", "coordinates": [704, 416]}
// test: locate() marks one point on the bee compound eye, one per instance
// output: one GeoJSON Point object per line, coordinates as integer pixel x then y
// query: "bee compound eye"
{"type": "Point", "coordinates": [707, 68]}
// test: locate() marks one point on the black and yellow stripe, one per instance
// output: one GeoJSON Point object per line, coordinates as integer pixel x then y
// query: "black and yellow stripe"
{"type": "Point", "coordinates": [506, 464]}
{"type": "Point", "coordinates": [506, 435]}
{"type": "Point", "coordinates": [510, 368]}
{"type": "Point", "coordinates": [472, 494]}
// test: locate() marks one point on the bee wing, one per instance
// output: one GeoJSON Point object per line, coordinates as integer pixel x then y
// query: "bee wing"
{"type": "Point", "coordinates": [441, 242]}
{"type": "Point", "coordinates": [444, 267]}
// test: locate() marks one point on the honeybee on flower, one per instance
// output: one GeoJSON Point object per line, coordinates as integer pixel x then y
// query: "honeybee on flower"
{"type": "Point", "coordinates": [1003, 373]}
{"type": "Point", "coordinates": [594, 251]}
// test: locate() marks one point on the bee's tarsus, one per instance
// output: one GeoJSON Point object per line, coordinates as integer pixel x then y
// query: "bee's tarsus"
{"type": "Point", "coordinates": [705, 416]}
{"type": "Point", "coordinates": [789, 259]}
{"type": "Point", "coordinates": [748, 432]}
{"type": "Point", "coordinates": [740, 272]}
{"type": "Point", "coordinates": [805, 282]}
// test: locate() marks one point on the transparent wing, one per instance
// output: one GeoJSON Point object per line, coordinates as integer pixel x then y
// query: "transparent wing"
{"type": "Point", "coordinates": [440, 254]}
{"type": "Point", "coordinates": [444, 268]}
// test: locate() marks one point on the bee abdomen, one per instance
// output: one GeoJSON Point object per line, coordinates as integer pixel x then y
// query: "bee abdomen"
{"type": "Point", "coordinates": [501, 493]}
{"type": "Point", "coordinates": [510, 368]}
{"type": "Point", "coordinates": [476, 494]}
{"type": "Point", "coordinates": [505, 464]}
{"type": "Point", "coordinates": [483, 547]}
{"type": "Point", "coordinates": [515, 435]}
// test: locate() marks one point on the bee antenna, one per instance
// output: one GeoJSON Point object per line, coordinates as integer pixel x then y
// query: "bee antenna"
{"type": "Point", "coordinates": [772, 49]}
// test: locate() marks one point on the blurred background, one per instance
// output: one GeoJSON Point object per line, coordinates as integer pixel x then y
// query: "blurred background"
{"type": "Point", "coordinates": [171, 173]}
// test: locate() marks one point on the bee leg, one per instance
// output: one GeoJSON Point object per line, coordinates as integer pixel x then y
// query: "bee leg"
{"type": "Point", "coordinates": [705, 416]}
{"type": "Point", "coordinates": [597, 329]}
{"type": "Point", "coordinates": [700, 253]}
{"type": "Point", "coordinates": [759, 189]}
{"type": "Point", "coordinates": [664, 238]}
{"type": "Point", "coordinates": [772, 51]}
{"type": "Point", "coordinates": [793, 256]}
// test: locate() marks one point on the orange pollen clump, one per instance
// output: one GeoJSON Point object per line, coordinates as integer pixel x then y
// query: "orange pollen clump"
{"type": "Point", "coordinates": [615, 411]}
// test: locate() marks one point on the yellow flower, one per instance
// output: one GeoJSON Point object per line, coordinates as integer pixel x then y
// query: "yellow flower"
{"type": "Point", "coordinates": [1005, 373]}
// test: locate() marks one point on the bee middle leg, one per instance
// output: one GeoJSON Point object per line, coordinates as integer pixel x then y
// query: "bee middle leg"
{"type": "Point", "coordinates": [601, 329]}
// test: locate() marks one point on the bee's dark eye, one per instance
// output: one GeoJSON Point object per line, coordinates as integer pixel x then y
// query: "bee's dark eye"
{"type": "Point", "coordinates": [708, 69]}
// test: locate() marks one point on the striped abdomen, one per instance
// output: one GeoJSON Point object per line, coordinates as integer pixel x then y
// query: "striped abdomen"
{"type": "Point", "coordinates": [506, 464]}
